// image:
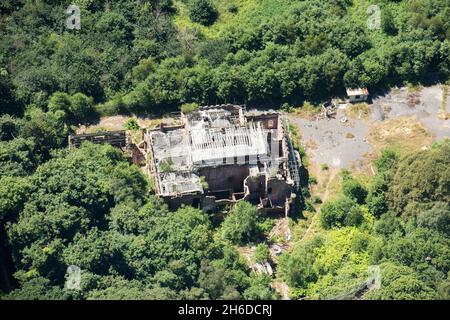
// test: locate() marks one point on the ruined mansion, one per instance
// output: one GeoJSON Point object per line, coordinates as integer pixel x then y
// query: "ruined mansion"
{"type": "Point", "coordinates": [219, 155]}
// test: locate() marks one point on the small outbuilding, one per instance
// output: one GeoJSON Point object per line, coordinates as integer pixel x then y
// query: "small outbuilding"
{"type": "Point", "coordinates": [357, 94]}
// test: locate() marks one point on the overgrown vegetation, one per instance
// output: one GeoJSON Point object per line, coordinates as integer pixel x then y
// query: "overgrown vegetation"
{"type": "Point", "coordinates": [126, 242]}
{"type": "Point", "coordinates": [89, 207]}
{"type": "Point", "coordinates": [400, 225]}
{"type": "Point", "coordinates": [150, 57]}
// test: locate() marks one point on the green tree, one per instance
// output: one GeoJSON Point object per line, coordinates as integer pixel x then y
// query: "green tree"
{"type": "Point", "coordinates": [241, 224]}
{"type": "Point", "coordinates": [340, 212]}
{"type": "Point", "coordinates": [297, 269]}
{"type": "Point", "coordinates": [354, 190]}
{"type": "Point", "coordinates": [262, 253]}
{"type": "Point", "coordinates": [8, 103]}
{"type": "Point", "coordinates": [17, 157]}
{"type": "Point", "coordinates": [13, 194]}
{"type": "Point", "coordinates": [10, 127]}
{"type": "Point", "coordinates": [37, 289]}
{"type": "Point", "coordinates": [81, 106]}
{"type": "Point", "coordinates": [422, 177]}
{"type": "Point", "coordinates": [260, 288]}
{"type": "Point", "coordinates": [59, 101]}
{"type": "Point", "coordinates": [47, 129]}
{"type": "Point", "coordinates": [202, 11]}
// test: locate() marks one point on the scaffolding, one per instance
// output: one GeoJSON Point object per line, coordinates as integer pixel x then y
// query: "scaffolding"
{"type": "Point", "coordinates": [211, 146]}
{"type": "Point", "coordinates": [293, 156]}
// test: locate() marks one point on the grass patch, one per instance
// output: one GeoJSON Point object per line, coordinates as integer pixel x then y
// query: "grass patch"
{"type": "Point", "coordinates": [166, 166]}
{"type": "Point", "coordinates": [444, 114]}
{"type": "Point", "coordinates": [413, 87]}
{"type": "Point", "coordinates": [307, 110]}
{"type": "Point", "coordinates": [136, 136]}
{"type": "Point", "coordinates": [358, 110]}
{"type": "Point", "coordinates": [243, 12]}
{"type": "Point", "coordinates": [402, 134]}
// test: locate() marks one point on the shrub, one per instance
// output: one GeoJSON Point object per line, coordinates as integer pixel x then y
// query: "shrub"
{"type": "Point", "coordinates": [132, 124]}
{"type": "Point", "coordinates": [286, 107]}
{"type": "Point", "coordinates": [203, 12]}
{"type": "Point", "coordinates": [81, 106]}
{"type": "Point", "coordinates": [305, 192]}
{"type": "Point", "coordinates": [316, 200]}
{"type": "Point", "coordinates": [204, 183]}
{"type": "Point", "coordinates": [340, 212]}
{"type": "Point", "coordinates": [112, 107]}
{"type": "Point", "coordinates": [309, 207]}
{"type": "Point", "coordinates": [262, 253]}
{"type": "Point", "coordinates": [266, 225]}
{"type": "Point", "coordinates": [189, 107]}
{"type": "Point", "coordinates": [312, 180]}
{"type": "Point", "coordinates": [59, 101]}
{"type": "Point", "coordinates": [354, 190]}
{"type": "Point", "coordinates": [233, 8]}
{"type": "Point", "coordinates": [241, 225]}
{"type": "Point", "coordinates": [166, 165]}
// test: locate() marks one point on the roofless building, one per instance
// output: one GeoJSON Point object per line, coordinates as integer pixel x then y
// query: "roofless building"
{"type": "Point", "coordinates": [223, 154]}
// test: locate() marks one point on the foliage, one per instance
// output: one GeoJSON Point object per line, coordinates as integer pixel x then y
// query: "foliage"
{"type": "Point", "coordinates": [260, 288]}
{"type": "Point", "coordinates": [166, 165]}
{"type": "Point", "coordinates": [354, 189]}
{"type": "Point", "coordinates": [340, 212]}
{"type": "Point", "coordinates": [262, 253]}
{"type": "Point", "coordinates": [88, 207]}
{"type": "Point", "coordinates": [202, 11]}
{"type": "Point", "coordinates": [17, 157]}
{"type": "Point", "coordinates": [328, 266]}
{"type": "Point", "coordinates": [241, 224]}
{"type": "Point", "coordinates": [47, 130]}
{"type": "Point", "coordinates": [150, 57]}
{"type": "Point", "coordinates": [204, 183]}
{"type": "Point", "coordinates": [132, 124]}
{"type": "Point", "coordinates": [189, 107]}
{"type": "Point", "coordinates": [400, 283]}
{"type": "Point", "coordinates": [9, 127]}
{"type": "Point", "coordinates": [423, 177]}
{"type": "Point", "coordinates": [376, 197]}
{"type": "Point", "coordinates": [13, 192]}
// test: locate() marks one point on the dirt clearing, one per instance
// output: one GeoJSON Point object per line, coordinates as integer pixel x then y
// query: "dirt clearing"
{"type": "Point", "coordinates": [402, 134]}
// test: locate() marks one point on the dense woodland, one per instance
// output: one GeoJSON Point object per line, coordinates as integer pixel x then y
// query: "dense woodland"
{"type": "Point", "coordinates": [140, 56]}
{"type": "Point", "coordinates": [89, 207]}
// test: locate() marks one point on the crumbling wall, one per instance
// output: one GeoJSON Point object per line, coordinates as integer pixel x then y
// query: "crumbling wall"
{"type": "Point", "coordinates": [194, 200]}
{"type": "Point", "coordinates": [267, 120]}
{"type": "Point", "coordinates": [114, 138]}
{"type": "Point", "coordinates": [278, 190]}
{"type": "Point", "coordinates": [256, 188]}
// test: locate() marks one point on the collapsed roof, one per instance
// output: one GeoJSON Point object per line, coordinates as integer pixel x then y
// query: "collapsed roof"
{"type": "Point", "coordinates": [211, 136]}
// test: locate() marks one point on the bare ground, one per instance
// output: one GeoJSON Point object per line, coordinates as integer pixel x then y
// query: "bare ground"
{"type": "Point", "coordinates": [403, 118]}
{"type": "Point", "coordinates": [113, 123]}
